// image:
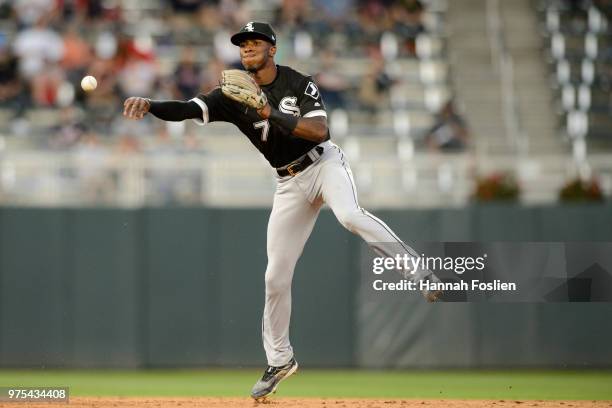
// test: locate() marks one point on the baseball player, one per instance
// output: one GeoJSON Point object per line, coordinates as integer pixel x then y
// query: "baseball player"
{"type": "Point", "coordinates": [281, 112]}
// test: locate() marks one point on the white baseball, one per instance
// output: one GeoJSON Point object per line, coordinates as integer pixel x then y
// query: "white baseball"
{"type": "Point", "coordinates": [89, 83]}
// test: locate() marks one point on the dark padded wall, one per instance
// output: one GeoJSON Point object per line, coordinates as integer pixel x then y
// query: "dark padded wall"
{"type": "Point", "coordinates": [184, 287]}
{"type": "Point", "coordinates": [35, 301]}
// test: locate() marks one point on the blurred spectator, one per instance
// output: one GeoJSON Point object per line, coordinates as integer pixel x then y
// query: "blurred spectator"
{"type": "Point", "coordinates": [45, 85]}
{"type": "Point", "coordinates": [29, 12]}
{"type": "Point", "coordinates": [209, 18]}
{"type": "Point", "coordinates": [575, 10]}
{"type": "Point", "coordinates": [375, 85]}
{"type": "Point", "coordinates": [89, 10]}
{"type": "Point", "coordinates": [407, 20]}
{"type": "Point", "coordinates": [225, 50]}
{"type": "Point", "coordinates": [291, 14]}
{"type": "Point", "coordinates": [373, 18]}
{"type": "Point", "coordinates": [105, 71]}
{"type": "Point", "coordinates": [13, 92]}
{"type": "Point", "coordinates": [138, 73]}
{"type": "Point", "coordinates": [77, 54]}
{"type": "Point", "coordinates": [36, 47]}
{"type": "Point", "coordinates": [211, 75]}
{"type": "Point", "coordinates": [6, 10]}
{"type": "Point", "coordinates": [105, 102]}
{"type": "Point", "coordinates": [332, 18]}
{"type": "Point", "coordinates": [190, 6]}
{"type": "Point", "coordinates": [234, 13]}
{"type": "Point", "coordinates": [449, 133]}
{"type": "Point", "coordinates": [187, 75]}
{"type": "Point", "coordinates": [332, 84]}
{"type": "Point", "coordinates": [576, 6]}
{"type": "Point", "coordinates": [605, 6]}
{"type": "Point", "coordinates": [333, 11]}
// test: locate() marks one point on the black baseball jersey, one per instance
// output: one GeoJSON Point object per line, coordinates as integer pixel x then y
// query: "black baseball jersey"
{"type": "Point", "coordinates": [291, 93]}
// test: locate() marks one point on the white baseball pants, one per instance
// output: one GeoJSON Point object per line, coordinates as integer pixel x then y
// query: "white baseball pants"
{"type": "Point", "coordinates": [297, 202]}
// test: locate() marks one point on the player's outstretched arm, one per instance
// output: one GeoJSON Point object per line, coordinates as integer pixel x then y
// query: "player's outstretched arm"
{"type": "Point", "coordinates": [136, 108]}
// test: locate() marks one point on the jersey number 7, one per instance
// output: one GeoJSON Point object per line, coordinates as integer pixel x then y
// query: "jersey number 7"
{"type": "Point", "coordinates": [264, 125]}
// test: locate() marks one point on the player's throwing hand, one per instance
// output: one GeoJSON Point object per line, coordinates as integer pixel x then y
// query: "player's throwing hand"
{"type": "Point", "coordinates": [136, 107]}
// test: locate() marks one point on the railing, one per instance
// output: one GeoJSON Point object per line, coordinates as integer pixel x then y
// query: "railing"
{"type": "Point", "coordinates": [427, 180]}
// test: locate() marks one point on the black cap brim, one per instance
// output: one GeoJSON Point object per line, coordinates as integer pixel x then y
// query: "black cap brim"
{"type": "Point", "coordinates": [242, 36]}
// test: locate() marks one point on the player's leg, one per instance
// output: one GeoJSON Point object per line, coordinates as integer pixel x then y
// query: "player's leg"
{"type": "Point", "coordinates": [339, 192]}
{"type": "Point", "coordinates": [290, 224]}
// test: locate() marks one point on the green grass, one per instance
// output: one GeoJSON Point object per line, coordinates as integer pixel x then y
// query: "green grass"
{"type": "Point", "coordinates": [475, 384]}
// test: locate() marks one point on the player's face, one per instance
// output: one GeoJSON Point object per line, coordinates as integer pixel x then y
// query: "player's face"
{"type": "Point", "coordinates": [255, 53]}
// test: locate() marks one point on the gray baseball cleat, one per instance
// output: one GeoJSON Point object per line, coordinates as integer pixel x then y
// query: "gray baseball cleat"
{"type": "Point", "coordinates": [432, 295]}
{"type": "Point", "coordinates": [270, 379]}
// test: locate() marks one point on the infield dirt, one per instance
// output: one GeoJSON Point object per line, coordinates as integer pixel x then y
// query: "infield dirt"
{"type": "Point", "coordinates": [205, 402]}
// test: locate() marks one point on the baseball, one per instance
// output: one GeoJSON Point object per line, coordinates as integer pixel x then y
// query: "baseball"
{"type": "Point", "coordinates": [89, 83]}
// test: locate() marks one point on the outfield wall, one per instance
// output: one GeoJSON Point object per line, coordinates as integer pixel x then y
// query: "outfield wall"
{"type": "Point", "coordinates": [184, 287]}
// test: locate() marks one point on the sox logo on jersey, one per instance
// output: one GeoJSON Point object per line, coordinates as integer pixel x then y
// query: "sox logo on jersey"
{"type": "Point", "coordinates": [312, 90]}
{"type": "Point", "coordinates": [289, 105]}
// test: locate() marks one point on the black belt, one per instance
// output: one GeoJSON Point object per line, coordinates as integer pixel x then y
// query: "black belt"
{"type": "Point", "coordinates": [298, 165]}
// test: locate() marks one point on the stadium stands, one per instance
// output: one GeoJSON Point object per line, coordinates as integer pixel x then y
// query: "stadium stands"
{"type": "Point", "coordinates": [579, 45]}
{"type": "Point", "coordinates": [418, 116]}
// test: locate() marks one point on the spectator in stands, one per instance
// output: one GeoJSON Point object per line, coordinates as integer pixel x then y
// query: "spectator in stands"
{"type": "Point", "coordinates": [105, 71]}
{"type": "Point", "coordinates": [450, 132]}
{"type": "Point", "coordinates": [333, 11]}
{"type": "Point", "coordinates": [375, 85]}
{"type": "Point", "coordinates": [332, 84]}
{"type": "Point", "coordinates": [187, 75]}
{"type": "Point", "coordinates": [190, 6]}
{"type": "Point", "coordinates": [106, 63]}
{"type": "Point", "coordinates": [211, 75]}
{"type": "Point", "coordinates": [31, 12]}
{"type": "Point", "coordinates": [576, 11]}
{"type": "Point", "coordinates": [291, 14]}
{"type": "Point", "coordinates": [332, 17]}
{"type": "Point", "coordinates": [36, 47]}
{"type": "Point", "coordinates": [6, 10]}
{"type": "Point", "coordinates": [45, 85]}
{"type": "Point", "coordinates": [373, 18]}
{"type": "Point", "coordinates": [407, 22]}
{"type": "Point", "coordinates": [234, 12]}
{"type": "Point", "coordinates": [77, 54]}
{"type": "Point", "coordinates": [13, 91]}
{"type": "Point", "coordinates": [138, 74]}
{"type": "Point", "coordinates": [209, 18]}
{"type": "Point", "coordinates": [90, 10]}
{"type": "Point", "coordinates": [605, 6]}
{"type": "Point", "coordinates": [576, 6]}
{"type": "Point", "coordinates": [102, 104]}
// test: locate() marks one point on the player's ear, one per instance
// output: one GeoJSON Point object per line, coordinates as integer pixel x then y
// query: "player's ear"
{"type": "Point", "coordinates": [272, 51]}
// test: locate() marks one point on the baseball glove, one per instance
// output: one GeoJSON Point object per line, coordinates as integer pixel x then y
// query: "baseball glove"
{"type": "Point", "coordinates": [240, 86]}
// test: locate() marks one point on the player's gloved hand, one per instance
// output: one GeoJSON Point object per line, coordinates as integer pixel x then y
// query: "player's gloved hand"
{"type": "Point", "coordinates": [240, 86]}
{"type": "Point", "coordinates": [136, 107]}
